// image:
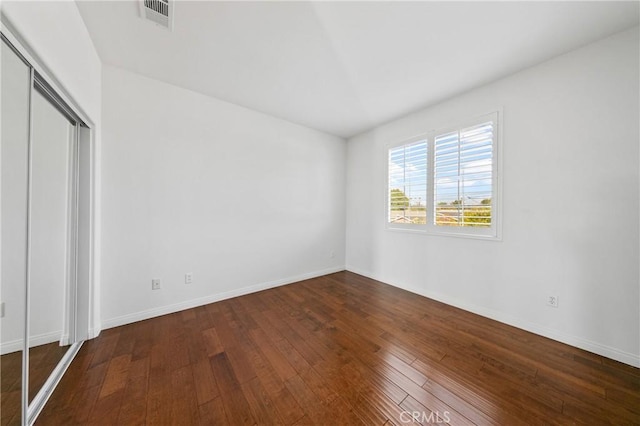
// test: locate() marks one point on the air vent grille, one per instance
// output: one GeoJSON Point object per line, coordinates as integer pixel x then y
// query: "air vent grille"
{"type": "Point", "coordinates": [158, 11]}
{"type": "Point", "coordinates": [158, 6]}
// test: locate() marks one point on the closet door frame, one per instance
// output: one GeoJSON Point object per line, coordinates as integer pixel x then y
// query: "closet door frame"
{"type": "Point", "coordinates": [81, 241]}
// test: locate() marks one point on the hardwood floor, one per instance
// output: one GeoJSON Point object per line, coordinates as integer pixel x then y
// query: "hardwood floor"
{"type": "Point", "coordinates": [10, 388]}
{"type": "Point", "coordinates": [337, 350]}
{"type": "Point", "coordinates": [42, 360]}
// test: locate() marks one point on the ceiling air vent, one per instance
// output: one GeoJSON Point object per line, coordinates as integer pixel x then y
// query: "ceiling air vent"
{"type": "Point", "coordinates": [158, 11]}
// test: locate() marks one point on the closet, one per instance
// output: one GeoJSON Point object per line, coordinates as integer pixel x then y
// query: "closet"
{"type": "Point", "coordinates": [45, 232]}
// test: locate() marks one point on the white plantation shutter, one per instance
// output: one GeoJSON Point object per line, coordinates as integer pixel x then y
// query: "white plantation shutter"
{"type": "Point", "coordinates": [446, 182]}
{"type": "Point", "coordinates": [407, 191]}
{"type": "Point", "coordinates": [464, 176]}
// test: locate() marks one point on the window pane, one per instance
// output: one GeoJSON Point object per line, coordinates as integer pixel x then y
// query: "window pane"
{"type": "Point", "coordinates": [408, 183]}
{"type": "Point", "coordinates": [463, 166]}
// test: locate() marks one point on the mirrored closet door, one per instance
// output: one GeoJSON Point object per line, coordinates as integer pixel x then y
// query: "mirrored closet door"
{"type": "Point", "coordinates": [50, 239]}
{"type": "Point", "coordinates": [43, 319]}
{"type": "Point", "coordinates": [15, 92]}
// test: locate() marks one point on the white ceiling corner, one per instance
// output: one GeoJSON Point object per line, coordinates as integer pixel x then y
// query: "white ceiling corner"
{"type": "Point", "coordinates": [345, 67]}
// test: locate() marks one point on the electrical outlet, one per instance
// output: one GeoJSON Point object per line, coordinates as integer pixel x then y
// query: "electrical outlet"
{"type": "Point", "coordinates": [552, 301]}
{"type": "Point", "coordinates": [155, 284]}
{"type": "Point", "coordinates": [188, 278]}
{"type": "Point", "coordinates": [332, 254]}
{"type": "Point", "coordinates": [1, 309]}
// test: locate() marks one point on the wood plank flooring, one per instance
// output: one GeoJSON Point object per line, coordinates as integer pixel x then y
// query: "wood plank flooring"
{"type": "Point", "coordinates": [337, 350]}
{"type": "Point", "coordinates": [42, 360]}
{"type": "Point", "coordinates": [10, 388]}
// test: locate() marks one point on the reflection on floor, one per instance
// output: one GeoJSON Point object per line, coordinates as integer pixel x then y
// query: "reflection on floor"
{"type": "Point", "coordinates": [42, 361]}
{"type": "Point", "coordinates": [10, 387]}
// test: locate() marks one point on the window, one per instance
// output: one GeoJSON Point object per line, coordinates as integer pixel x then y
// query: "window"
{"type": "Point", "coordinates": [408, 183]}
{"type": "Point", "coordinates": [447, 182]}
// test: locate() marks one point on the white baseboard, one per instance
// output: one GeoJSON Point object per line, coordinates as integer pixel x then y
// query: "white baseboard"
{"type": "Point", "coordinates": [578, 342]}
{"type": "Point", "coordinates": [41, 339]}
{"type": "Point", "coordinates": [177, 307]}
{"type": "Point", "coordinates": [94, 332]}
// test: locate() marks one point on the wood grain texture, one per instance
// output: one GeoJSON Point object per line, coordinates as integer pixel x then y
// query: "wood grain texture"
{"type": "Point", "coordinates": [42, 360]}
{"type": "Point", "coordinates": [340, 349]}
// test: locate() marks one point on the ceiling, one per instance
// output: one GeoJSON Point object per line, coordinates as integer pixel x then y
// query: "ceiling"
{"type": "Point", "coordinates": [345, 67]}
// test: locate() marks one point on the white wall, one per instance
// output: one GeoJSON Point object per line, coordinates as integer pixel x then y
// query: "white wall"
{"type": "Point", "coordinates": [571, 198]}
{"type": "Point", "coordinates": [57, 40]}
{"type": "Point", "coordinates": [242, 200]}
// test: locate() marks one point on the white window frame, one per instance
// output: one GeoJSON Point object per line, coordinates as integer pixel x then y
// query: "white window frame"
{"type": "Point", "coordinates": [493, 232]}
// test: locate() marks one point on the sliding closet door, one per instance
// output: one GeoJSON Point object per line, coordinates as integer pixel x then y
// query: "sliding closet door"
{"type": "Point", "coordinates": [15, 136]}
{"type": "Point", "coordinates": [46, 233]}
{"type": "Point", "coordinates": [52, 142]}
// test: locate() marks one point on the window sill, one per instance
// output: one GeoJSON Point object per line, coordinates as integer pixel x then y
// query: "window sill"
{"type": "Point", "coordinates": [460, 234]}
